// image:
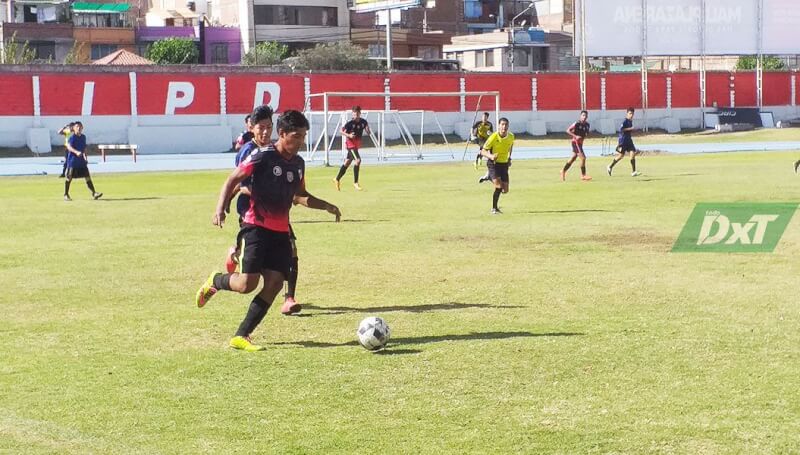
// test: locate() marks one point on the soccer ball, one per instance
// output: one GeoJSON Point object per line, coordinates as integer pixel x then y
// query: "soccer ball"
{"type": "Point", "coordinates": [373, 333]}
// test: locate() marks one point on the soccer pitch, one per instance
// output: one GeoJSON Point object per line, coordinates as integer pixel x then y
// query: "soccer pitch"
{"type": "Point", "coordinates": [564, 325]}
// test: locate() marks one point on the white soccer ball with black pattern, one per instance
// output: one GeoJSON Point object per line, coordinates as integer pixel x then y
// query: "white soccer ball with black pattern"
{"type": "Point", "coordinates": [373, 333]}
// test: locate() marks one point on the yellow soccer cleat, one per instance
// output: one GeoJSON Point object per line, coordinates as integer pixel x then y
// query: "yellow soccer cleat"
{"type": "Point", "coordinates": [206, 291]}
{"type": "Point", "coordinates": [245, 344]}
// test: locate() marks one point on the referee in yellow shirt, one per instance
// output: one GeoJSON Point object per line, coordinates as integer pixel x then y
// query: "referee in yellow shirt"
{"type": "Point", "coordinates": [497, 150]}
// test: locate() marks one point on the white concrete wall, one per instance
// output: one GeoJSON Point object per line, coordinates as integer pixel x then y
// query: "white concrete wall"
{"type": "Point", "coordinates": [214, 133]}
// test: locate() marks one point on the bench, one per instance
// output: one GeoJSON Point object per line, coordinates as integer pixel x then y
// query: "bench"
{"type": "Point", "coordinates": [103, 147]}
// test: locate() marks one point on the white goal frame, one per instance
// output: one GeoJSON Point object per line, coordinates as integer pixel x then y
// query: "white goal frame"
{"type": "Point", "coordinates": [380, 140]}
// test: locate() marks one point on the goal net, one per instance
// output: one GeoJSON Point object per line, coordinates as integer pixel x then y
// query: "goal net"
{"type": "Point", "coordinates": [394, 133]}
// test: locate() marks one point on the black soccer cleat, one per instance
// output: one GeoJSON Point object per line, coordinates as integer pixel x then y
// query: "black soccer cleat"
{"type": "Point", "coordinates": [796, 166]}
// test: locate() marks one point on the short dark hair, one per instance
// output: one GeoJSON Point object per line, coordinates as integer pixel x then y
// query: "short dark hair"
{"type": "Point", "coordinates": [68, 126]}
{"type": "Point", "coordinates": [263, 112]}
{"type": "Point", "coordinates": [585, 112]}
{"type": "Point", "coordinates": [247, 118]}
{"type": "Point", "coordinates": [76, 123]}
{"type": "Point", "coordinates": [486, 114]}
{"type": "Point", "coordinates": [356, 108]}
{"type": "Point", "coordinates": [503, 119]}
{"type": "Point", "coordinates": [292, 121]}
{"type": "Point", "coordinates": [630, 109]}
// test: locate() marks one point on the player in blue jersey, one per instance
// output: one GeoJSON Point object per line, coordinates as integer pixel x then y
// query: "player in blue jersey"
{"type": "Point", "coordinates": [626, 144]}
{"type": "Point", "coordinates": [77, 163]}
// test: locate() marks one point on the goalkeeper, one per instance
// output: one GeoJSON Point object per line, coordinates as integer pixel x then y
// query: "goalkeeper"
{"type": "Point", "coordinates": [481, 131]}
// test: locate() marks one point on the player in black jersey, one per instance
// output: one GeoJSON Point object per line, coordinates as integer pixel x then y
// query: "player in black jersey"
{"type": "Point", "coordinates": [278, 181]}
{"type": "Point", "coordinates": [578, 131]}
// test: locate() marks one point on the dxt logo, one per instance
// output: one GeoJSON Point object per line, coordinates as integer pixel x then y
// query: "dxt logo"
{"type": "Point", "coordinates": [739, 227]}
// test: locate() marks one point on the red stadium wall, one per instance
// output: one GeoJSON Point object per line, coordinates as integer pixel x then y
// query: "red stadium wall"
{"type": "Point", "coordinates": [777, 89]}
{"type": "Point", "coordinates": [68, 94]}
{"type": "Point", "coordinates": [746, 90]}
{"type": "Point", "coordinates": [685, 90]}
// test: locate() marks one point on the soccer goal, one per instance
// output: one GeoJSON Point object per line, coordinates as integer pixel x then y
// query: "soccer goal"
{"type": "Point", "coordinates": [408, 126]}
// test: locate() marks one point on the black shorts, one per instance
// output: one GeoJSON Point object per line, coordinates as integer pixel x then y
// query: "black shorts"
{"type": "Point", "coordinates": [577, 148]}
{"type": "Point", "coordinates": [77, 172]}
{"type": "Point", "coordinates": [261, 249]}
{"type": "Point", "coordinates": [626, 146]}
{"type": "Point", "coordinates": [498, 171]}
{"type": "Point", "coordinates": [352, 154]}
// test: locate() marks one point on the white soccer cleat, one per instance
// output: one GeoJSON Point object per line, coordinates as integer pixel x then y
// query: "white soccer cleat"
{"type": "Point", "coordinates": [635, 174]}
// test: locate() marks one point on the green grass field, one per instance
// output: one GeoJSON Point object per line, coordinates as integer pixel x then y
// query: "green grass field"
{"type": "Point", "coordinates": [563, 326]}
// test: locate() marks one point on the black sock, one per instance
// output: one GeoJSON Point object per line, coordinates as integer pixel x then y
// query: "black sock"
{"type": "Point", "coordinates": [291, 280]}
{"type": "Point", "coordinates": [614, 163]}
{"type": "Point", "coordinates": [64, 168]}
{"type": "Point", "coordinates": [342, 170]}
{"type": "Point", "coordinates": [222, 281]}
{"type": "Point", "coordinates": [255, 314]}
{"type": "Point", "coordinates": [66, 187]}
{"type": "Point", "coordinates": [496, 197]}
{"type": "Point", "coordinates": [583, 170]}
{"type": "Point", "coordinates": [567, 166]}
{"type": "Point", "coordinates": [91, 186]}
{"type": "Point", "coordinates": [633, 164]}
{"type": "Point", "coordinates": [478, 157]}
{"type": "Point", "coordinates": [356, 168]}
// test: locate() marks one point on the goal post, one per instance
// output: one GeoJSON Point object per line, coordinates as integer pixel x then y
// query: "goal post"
{"type": "Point", "coordinates": [328, 114]}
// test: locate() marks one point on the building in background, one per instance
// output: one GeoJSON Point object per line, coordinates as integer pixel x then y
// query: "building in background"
{"type": "Point", "coordinates": [298, 24]}
{"type": "Point", "coordinates": [222, 44]}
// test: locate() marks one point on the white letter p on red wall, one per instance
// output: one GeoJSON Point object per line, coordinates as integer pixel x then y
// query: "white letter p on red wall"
{"type": "Point", "coordinates": [174, 101]}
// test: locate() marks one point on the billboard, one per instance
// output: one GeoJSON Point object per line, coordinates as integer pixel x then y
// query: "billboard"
{"type": "Point", "coordinates": [686, 27]}
{"type": "Point", "coordinates": [365, 6]}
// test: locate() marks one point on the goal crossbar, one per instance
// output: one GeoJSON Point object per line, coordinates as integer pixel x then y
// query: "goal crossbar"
{"type": "Point", "coordinates": [388, 94]}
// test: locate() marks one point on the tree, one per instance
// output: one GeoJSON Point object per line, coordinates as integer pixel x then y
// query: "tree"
{"type": "Point", "coordinates": [75, 55]}
{"type": "Point", "coordinates": [266, 53]}
{"type": "Point", "coordinates": [173, 51]}
{"type": "Point", "coordinates": [15, 53]}
{"type": "Point", "coordinates": [771, 63]}
{"type": "Point", "coordinates": [335, 56]}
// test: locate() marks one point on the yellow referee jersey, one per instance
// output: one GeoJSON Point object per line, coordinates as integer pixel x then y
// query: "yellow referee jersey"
{"type": "Point", "coordinates": [500, 146]}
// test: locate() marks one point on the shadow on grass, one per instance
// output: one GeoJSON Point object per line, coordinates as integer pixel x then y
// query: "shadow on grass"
{"type": "Point", "coordinates": [436, 339]}
{"type": "Point", "coordinates": [407, 308]}
{"type": "Point", "coordinates": [342, 221]}
{"type": "Point", "coordinates": [389, 351]}
{"type": "Point", "coordinates": [572, 211]}
{"type": "Point", "coordinates": [111, 199]}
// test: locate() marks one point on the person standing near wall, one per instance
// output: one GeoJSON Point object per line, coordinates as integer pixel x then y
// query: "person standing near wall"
{"type": "Point", "coordinates": [77, 163]}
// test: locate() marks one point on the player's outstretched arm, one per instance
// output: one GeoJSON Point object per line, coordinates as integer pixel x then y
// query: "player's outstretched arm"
{"type": "Point", "coordinates": [306, 199]}
{"type": "Point", "coordinates": [228, 188]}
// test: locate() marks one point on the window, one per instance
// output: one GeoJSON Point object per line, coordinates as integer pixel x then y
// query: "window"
{"type": "Point", "coordinates": [489, 57]}
{"type": "Point", "coordinates": [480, 59]}
{"type": "Point", "coordinates": [472, 9]}
{"type": "Point", "coordinates": [428, 52]}
{"type": "Point", "coordinates": [377, 50]}
{"type": "Point", "coordinates": [219, 53]}
{"type": "Point", "coordinates": [44, 50]}
{"type": "Point", "coordinates": [101, 50]}
{"type": "Point", "coordinates": [296, 15]}
{"type": "Point", "coordinates": [521, 58]}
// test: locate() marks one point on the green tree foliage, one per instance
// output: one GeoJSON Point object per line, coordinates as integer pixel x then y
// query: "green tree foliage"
{"type": "Point", "coordinates": [749, 62]}
{"type": "Point", "coordinates": [335, 56]}
{"type": "Point", "coordinates": [74, 56]}
{"type": "Point", "coordinates": [15, 53]}
{"type": "Point", "coordinates": [173, 51]}
{"type": "Point", "coordinates": [266, 53]}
